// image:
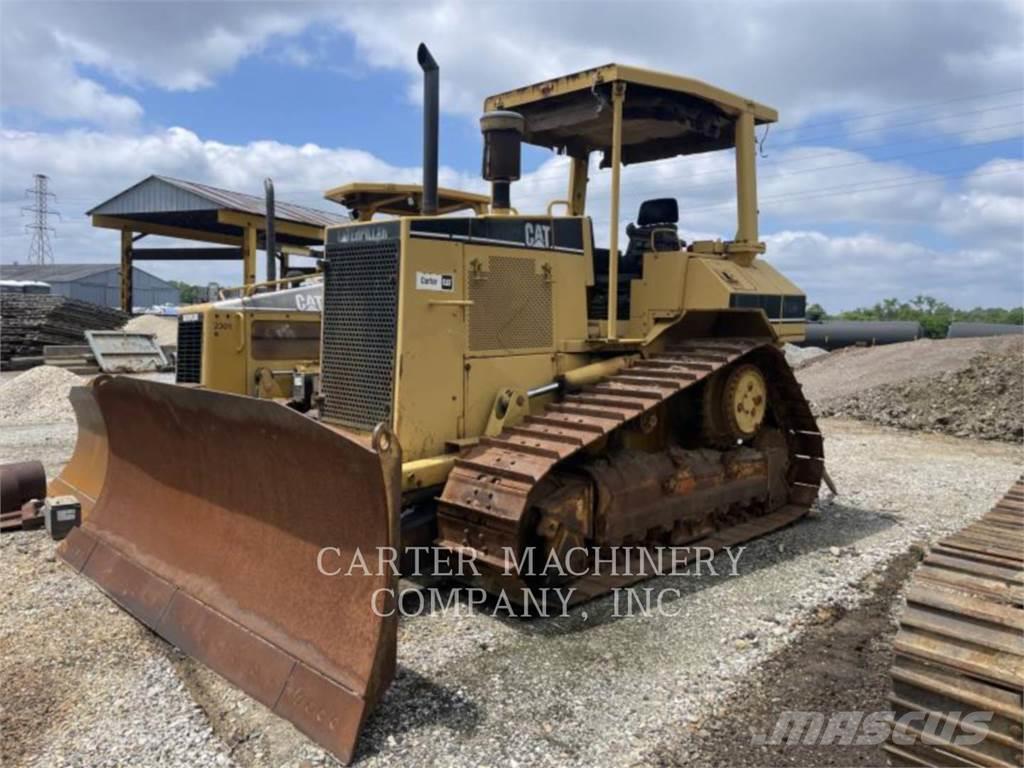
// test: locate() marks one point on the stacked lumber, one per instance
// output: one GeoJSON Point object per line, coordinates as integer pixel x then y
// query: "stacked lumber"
{"type": "Point", "coordinates": [77, 358]}
{"type": "Point", "coordinates": [31, 322]}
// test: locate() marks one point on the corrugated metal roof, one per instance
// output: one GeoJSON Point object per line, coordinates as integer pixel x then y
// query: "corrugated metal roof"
{"type": "Point", "coordinates": [53, 273]}
{"type": "Point", "coordinates": [163, 194]}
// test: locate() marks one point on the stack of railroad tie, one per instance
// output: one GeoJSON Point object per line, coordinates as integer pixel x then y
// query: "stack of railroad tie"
{"type": "Point", "coordinates": [960, 647]}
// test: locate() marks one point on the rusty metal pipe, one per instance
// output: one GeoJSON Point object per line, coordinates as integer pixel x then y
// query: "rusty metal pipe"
{"type": "Point", "coordinates": [20, 482]}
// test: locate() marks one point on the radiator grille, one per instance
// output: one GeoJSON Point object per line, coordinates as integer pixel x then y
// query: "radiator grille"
{"type": "Point", "coordinates": [511, 307]}
{"type": "Point", "coordinates": [189, 366]}
{"type": "Point", "coordinates": [360, 323]}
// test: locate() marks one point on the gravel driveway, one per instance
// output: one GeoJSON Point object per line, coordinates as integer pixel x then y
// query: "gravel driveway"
{"type": "Point", "coordinates": [84, 684]}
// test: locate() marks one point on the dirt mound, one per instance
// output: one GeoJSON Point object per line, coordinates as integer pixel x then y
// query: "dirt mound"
{"type": "Point", "coordinates": [38, 395]}
{"type": "Point", "coordinates": [165, 328]}
{"type": "Point", "coordinates": [854, 369]}
{"type": "Point", "coordinates": [983, 398]}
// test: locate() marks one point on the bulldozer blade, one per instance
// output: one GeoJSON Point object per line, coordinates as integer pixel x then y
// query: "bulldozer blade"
{"type": "Point", "coordinates": [210, 527]}
{"type": "Point", "coordinates": [82, 477]}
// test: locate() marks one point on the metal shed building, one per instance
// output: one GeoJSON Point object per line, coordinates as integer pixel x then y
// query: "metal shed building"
{"type": "Point", "coordinates": [96, 283]}
{"type": "Point", "coordinates": [187, 210]}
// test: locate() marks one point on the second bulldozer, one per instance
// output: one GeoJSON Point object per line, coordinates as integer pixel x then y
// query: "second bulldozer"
{"type": "Point", "coordinates": [497, 384]}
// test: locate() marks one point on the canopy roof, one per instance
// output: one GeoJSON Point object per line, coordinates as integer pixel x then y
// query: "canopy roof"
{"type": "Point", "coordinates": [187, 209]}
{"type": "Point", "coordinates": [365, 199]}
{"type": "Point", "coordinates": [663, 115]}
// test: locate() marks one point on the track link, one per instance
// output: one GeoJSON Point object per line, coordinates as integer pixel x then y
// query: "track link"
{"type": "Point", "coordinates": [489, 492]}
{"type": "Point", "coordinates": [960, 646]}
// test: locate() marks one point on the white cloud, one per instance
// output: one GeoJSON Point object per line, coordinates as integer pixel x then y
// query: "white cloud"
{"type": "Point", "coordinates": [91, 62]}
{"type": "Point", "coordinates": [46, 48]}
{"type": "Point", "coordinates": [839, 271]}
{"type": "Point", "coordinates": [849, 271]}
{"type": "Point", "coordinates": [805, 57]}
{"type": "Point", "coordinates": [990, 208]}
{"type": "Point", "coordinates": [87, 167]}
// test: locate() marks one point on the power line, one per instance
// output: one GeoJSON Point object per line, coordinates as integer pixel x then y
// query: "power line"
{"type": "Point", "coordinates": [915, 108]}
{"type": "Point", "coordinates": [937, 118]}
{"type": "Point", "coordinates": [654, 186]}
{"type": "Point", "coordinates": [39, 250]}
{"type": "Point", "coordinates": [650, 185]}
{"type": "Point", "coordinates": [851, 189]}
{"type": "Point", "coordinates": [558, 172]}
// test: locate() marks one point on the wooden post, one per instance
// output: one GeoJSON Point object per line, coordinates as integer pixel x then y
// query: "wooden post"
{"type": "Point", "coordinates": [126, 271]}
{"type": "Point", "coordinates": [249, 256]}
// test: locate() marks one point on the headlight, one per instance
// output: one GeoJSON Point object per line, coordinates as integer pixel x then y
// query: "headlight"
{"type": "Point", "coordinates": [298, 386]}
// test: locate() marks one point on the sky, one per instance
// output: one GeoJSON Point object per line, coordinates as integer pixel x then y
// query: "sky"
{"type": "Point", "coordinates": [895, 168]}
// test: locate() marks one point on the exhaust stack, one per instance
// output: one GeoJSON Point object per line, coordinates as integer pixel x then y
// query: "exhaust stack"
{"type": "Point", "coordinates": [431, 97]}
{"type": "Point", "coordinates": [271, 237]}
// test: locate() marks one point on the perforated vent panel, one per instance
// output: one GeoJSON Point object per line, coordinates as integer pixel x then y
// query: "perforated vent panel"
{"type": "Point", "coordinates": [511, 307]}
{"type": "Point", "coordinates": [360, 324]}
{"type": "Point", "coordinates": [189, 365]}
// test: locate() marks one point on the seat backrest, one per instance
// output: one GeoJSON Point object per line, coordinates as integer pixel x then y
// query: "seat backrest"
{"type": "Point", "coordinates": [662, 210]}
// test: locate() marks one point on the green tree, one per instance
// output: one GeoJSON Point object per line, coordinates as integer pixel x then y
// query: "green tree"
{"type": "Point", "coordinates": [934, 315]}
{"type": "Point", "coordinates": [816, 313]}
{"type": "Point", "coordinates": [190, 294]}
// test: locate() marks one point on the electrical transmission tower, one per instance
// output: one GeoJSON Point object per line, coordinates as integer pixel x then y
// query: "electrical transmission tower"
{"type": "Point", "coordinates": [40, 251]}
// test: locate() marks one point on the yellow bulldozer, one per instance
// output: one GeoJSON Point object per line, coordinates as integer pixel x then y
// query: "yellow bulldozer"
{"type": "Point", "coordinates": [263, 340]}
{"type": "Point", "coordinates": [496, 383]}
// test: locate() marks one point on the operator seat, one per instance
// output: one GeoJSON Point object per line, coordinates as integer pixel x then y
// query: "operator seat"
{"type": "Point", "coordinates": [660, 215]}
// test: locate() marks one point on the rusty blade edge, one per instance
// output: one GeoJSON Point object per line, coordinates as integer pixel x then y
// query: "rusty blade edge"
{"type": "Point", "coordinates": [324, 709]}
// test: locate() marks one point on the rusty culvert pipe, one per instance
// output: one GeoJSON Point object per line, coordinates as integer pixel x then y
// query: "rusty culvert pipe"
{"type": "Point", "coordinates": [20, 482]}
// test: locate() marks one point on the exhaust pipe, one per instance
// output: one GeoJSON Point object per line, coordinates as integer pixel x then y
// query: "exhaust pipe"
{"type": "Point", "coordinates": [431, 85]}
{"type": "Point", "coordinates": [271, 237]}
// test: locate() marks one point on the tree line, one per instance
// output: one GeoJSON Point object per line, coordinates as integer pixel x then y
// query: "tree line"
{"type": "Point", "coordinates": [934, 316]}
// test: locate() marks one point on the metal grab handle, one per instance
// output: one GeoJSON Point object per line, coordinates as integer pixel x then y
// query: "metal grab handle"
{"type": "Point", "coordinates": [553, 203]}
{"type": "Point", "coordinates": [241, 331]}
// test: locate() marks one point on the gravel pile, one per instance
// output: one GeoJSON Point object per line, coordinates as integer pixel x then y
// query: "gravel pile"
{"type": "Point", "coordinates": [38, 395]}
{"type": "Point", "coordinates": [983, 400]}
{"type": "Point", "coordinates": [854, 369]}
{"type": "Point", "coordinates": [164, 328]}
{"type": "Point", "coordinates": [83, 683]}
{"type": "Point", "coordinates": [797, 357]}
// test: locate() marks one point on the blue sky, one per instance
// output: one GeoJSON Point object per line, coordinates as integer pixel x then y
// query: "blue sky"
{"type": "Point", "coordinates": [895, 169]}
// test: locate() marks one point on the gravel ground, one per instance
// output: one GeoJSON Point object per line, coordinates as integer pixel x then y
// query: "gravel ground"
{"type": "Point", "coordinates": [83, 684]}
{"type": "Point", "coordinates": [843, 660]}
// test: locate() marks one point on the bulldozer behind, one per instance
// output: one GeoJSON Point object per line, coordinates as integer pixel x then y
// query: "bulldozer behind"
{"type": "Point", "coordinates": [493, 385]}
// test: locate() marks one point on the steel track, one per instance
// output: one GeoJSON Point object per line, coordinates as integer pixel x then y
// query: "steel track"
{"type": "Point", "coordinates": [489, 493]}
{"type": "Point", "coordinates": [960, 646]}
